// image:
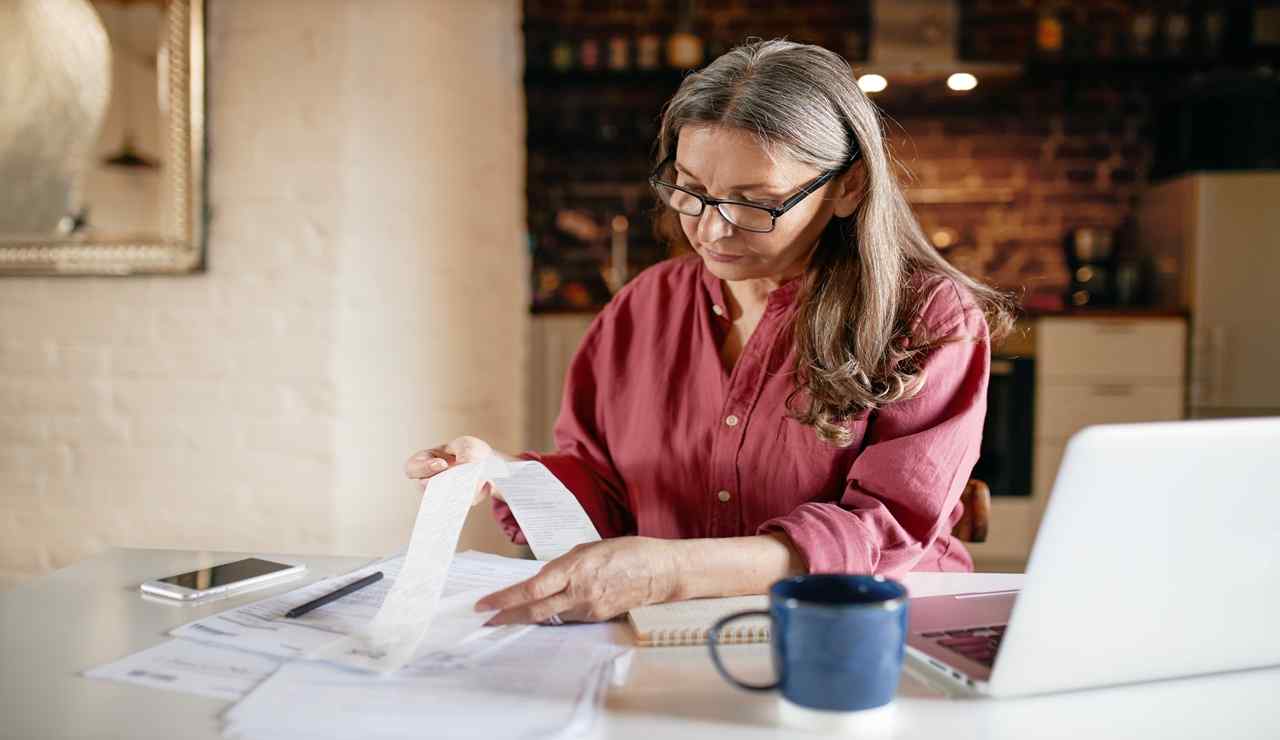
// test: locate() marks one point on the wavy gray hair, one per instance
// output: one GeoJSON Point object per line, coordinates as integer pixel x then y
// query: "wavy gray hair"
{"type": "Point", "coordinates": [857, 343]}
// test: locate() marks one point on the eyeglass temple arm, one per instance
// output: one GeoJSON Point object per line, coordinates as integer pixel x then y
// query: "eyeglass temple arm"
{"type": "Point", "coordinates": [806, 190]}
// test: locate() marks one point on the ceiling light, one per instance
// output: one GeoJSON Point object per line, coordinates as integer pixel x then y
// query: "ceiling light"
{"type": "Point", "coordinates": [962, 81]}
{"type": "Point", "coordinates": [872, 83]}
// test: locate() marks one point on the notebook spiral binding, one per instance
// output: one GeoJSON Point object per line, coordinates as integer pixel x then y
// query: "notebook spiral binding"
{"type": "Point", "coordinates": [698, 636]}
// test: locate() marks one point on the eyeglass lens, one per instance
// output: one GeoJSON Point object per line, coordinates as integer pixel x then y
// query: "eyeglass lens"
{"type": "Point", "coordinates": [746, 217]}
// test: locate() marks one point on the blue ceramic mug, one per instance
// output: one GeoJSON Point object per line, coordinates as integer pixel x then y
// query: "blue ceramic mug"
{"type": "Point", "coordinates": [837, 640]}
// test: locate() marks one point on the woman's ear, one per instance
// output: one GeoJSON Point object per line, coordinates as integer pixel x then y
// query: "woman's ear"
{"type": "Point", "coordinates": [849, 188]}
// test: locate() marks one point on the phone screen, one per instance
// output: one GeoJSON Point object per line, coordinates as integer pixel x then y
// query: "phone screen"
{"type": "Point", "coordinates": [227, 573]}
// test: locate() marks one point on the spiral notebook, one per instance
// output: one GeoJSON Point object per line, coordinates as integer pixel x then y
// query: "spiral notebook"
{"type": "Point", "coordinates": [687, 622]}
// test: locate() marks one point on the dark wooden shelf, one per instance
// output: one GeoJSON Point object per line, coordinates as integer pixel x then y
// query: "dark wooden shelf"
{"type": "Point", "coordinates": [1141, 68]}
{"type": "Point", "coordinates": [664, 81]}
{"type": "Point", "coordinates": [1109, 312]}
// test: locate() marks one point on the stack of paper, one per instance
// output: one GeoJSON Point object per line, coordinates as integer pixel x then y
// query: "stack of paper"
{"type": "Point", "coordinates": [227, 654]}
{"type": "Point", "coordinates": [547, 684]}
{"type": "Point", "coordinates": [408, 655]}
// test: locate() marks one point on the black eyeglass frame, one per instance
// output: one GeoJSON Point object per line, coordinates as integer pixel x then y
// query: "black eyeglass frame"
{"type": "Point", "coordinates": [774, 213]}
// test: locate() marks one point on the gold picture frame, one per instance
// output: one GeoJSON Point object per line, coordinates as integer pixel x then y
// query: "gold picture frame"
{"type": "Point", "coordinates": [178, 247]}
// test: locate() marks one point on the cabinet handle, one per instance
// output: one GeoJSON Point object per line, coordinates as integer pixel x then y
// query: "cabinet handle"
{"type": "Point", "coordinates": [1113, 389]}
{"type": "Point", "coordinates": [1208, 365]}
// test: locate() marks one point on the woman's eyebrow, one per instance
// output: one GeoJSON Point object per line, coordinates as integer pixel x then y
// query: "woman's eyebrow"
{"type": "Point", "coordinates": [740, 188]}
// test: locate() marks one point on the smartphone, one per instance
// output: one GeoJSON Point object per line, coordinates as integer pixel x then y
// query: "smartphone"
{"type": "Point", "coordinates": [221, 579]}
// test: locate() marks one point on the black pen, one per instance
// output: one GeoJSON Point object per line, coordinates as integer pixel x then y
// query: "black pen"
{"type": "Point", "coordinates": [352, 587]}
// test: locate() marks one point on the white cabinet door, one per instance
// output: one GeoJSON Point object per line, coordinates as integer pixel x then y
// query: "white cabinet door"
{"type": "Point", "coordinates": [554, 340]}
{"type": "Point", "coordinates": [1075, 349]}
{"type": "Point", "coordinates": [1064, 409]}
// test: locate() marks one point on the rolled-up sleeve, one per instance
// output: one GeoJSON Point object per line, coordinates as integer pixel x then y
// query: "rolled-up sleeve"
{"type": "Point", "coordinates": [582, 461]}
{"type": "Point", "coordinates": [902, 491]}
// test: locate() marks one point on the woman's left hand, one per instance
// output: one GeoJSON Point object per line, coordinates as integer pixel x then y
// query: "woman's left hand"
{"type": "Point", "coordinates": [592, 582]}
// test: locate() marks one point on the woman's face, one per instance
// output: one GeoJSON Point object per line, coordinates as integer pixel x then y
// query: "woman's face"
{"type": "Point", "coordinates": [730, 163]}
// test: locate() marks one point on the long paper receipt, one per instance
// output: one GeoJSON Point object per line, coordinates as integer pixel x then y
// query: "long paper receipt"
{"type": "Point", "coordinates": [549, 515]}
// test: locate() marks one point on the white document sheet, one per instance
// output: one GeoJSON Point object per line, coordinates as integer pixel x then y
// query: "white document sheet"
{"type": "Point", "coordinates": [262, 627]}
{"type": "Point", "coordinates": [474, 571]}
{"type": "Point", "coordinates": [548, 513]}
{"type": "Point", "coordinates": [217, 664]}
{"type": "Point", "coordinates": [547, 684]}
{"type": "Point", "coordinates": [192, 668]}
{"type": "Point", "coordinates": [404, 606]}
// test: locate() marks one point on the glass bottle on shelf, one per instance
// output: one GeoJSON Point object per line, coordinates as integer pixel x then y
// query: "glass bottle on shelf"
{"type": "Point", "coordinates": [1050, 31]}
{"type": "Point", "coordinates": [1142, 31]}
{"type": "Point", "coordinates": [684, 50]}
{"type": "Point", "coordinates": [562, 56]}
{"type": "Point", "coordinates": [1177, 30]}
{"type": "Point", "coordinates": [1266, 26]}
{"type": "Point", "coordinates": [684, 47]}
{"type": "Point", "coordinates": [619, 53]}
{"type": "Point", "coordinates": [648, 51]}
{"type": "Point", "coordinates": [589, 54]}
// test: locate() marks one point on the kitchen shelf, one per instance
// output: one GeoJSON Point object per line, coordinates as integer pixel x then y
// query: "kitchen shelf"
{"type": "Point", "coordinates": [663, 81]}
{"type": "Point", "coordinates": [1138, 68]}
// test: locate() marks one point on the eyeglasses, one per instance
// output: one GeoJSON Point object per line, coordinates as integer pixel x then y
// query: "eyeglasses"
{"type": "Point", "coordinates": [746, 216]}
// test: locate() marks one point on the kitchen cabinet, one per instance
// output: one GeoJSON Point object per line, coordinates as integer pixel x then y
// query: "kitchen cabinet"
{"type": "Point", "coordinates": [1089, 370]}
{"type": "Point", "coordinates": [553, 337]}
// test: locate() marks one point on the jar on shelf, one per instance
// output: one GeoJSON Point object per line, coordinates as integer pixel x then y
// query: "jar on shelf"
{"type": "Point", "coordinates": [562, 56]}
{"type": "Point", "coordinates": [619, 53]}
{"type": "Point", "coordinates": [684, 50]}
{"type": "Point", "coordinates": [589, 54]}
{"type": "Point", "coordinates": [648, 51]}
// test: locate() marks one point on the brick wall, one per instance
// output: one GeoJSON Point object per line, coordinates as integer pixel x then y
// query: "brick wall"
{"type": "Point", "coordinates": [1016, 171]}
{"type": "Point", "coordinates": [1004, 171]}
{"type": "Point", "coordinates": [365, 296]}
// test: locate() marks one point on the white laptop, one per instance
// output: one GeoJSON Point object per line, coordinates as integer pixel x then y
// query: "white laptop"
{"type": "Point", "coordinates": [1158, 556]}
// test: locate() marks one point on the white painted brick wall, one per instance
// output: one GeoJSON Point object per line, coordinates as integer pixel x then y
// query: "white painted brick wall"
{"type": "Point", "coordinates": [365, 296]}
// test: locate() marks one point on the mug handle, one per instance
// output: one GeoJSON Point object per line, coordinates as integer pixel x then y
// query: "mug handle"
{"type": "Point", "coordinates": [713, 643]}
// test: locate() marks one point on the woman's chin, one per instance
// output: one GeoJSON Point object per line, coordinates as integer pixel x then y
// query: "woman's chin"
{"type": "Point", "coordinates": [728, 268]}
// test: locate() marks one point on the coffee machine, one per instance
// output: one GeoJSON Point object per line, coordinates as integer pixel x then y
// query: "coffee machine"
{"type": "Point", "coordinates": [1090, 256]}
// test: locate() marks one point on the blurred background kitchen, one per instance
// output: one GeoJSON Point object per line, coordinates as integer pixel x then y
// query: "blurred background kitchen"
{"type": "Point", "coordinates": [293, 242]}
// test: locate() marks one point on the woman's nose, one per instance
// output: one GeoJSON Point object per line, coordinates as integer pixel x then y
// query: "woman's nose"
{"type": "Point", "coordinates": [712, 225]}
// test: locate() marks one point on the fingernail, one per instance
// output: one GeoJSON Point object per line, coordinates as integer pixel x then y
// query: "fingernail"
{"type": "Point", "coordinates": [420, 456]}
{"type": "Point", "coordinates": [493, 622]}
{"type": "Point", "coordinates": [437, 464]}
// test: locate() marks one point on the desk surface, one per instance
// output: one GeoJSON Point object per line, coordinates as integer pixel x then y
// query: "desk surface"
{"type": "Point", "coordinates": [92, 613]}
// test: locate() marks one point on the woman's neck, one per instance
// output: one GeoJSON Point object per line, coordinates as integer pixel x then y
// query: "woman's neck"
{"type": "Point", "coordinates": [749, 297]}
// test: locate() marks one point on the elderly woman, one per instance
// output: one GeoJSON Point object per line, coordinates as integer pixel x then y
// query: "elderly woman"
{"type": "Point", "coordinates": [804, 392]}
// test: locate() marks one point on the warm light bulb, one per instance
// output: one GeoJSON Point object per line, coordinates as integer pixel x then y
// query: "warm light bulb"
{"type": "Point", "coordinates": [872, 83]}
{"type": "Point", "coordinates": [962, 81]}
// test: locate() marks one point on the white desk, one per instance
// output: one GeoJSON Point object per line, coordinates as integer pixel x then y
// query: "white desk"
{"type": "Point", "coordinates": [91, 613]}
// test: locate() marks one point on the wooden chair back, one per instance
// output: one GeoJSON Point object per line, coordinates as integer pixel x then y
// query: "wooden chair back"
{"type": "Point", "coordinates": [975, 520]}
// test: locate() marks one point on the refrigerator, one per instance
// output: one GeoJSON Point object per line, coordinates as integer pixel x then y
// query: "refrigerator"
{"type": "Point", "coordinates": [1214, 242]}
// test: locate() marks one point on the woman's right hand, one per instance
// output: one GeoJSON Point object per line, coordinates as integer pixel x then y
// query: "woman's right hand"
{"type": "Point", "coordinates": [424, 464]}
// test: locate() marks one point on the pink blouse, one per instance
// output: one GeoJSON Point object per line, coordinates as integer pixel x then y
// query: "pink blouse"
{"type": "Point", "coordinates": [657, 438]}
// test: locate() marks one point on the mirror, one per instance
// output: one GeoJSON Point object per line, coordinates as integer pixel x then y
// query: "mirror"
{"type": "Point", "coordinates": [102, 142]}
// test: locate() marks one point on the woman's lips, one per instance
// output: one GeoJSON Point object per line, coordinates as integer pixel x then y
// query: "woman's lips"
{"type": "Point", "coordinates": [718, 257]}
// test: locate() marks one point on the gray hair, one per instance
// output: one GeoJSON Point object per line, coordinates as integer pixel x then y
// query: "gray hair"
{"type": "Point", "coordinates": [858, 345]}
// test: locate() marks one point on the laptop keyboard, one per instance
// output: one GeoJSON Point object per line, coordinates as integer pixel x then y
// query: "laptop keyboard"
{"type": "Point", "coordinates": [978, 644]}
